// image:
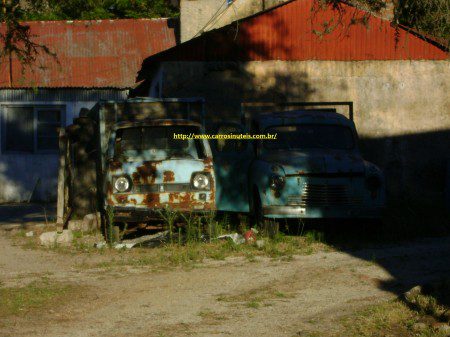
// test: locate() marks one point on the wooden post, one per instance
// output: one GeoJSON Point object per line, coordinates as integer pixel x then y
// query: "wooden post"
{"type": "Point", "coordinates": [61, 180]}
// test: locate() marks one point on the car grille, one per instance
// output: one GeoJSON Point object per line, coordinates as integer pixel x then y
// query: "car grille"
{"type": "Point", "coordinates": [319, 195]}
{"type": "Point", "coordinates": [294, 200]}
{"type": "Point", "coordinates": [156, 188]}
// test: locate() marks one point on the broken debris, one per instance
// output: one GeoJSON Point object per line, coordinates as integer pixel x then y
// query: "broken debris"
{"type": "Point", "coordinates": [250, 235]}
{"type": "Point", "coordinates": [235, 237]}
{"type": "Point", "coordinates": [146, 240]}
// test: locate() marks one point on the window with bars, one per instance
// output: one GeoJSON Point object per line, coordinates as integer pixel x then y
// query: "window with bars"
{"type": "Point", "coordinates": [31, 129]}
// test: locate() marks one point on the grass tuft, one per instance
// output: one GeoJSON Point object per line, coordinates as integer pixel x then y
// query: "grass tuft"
{"type": "Point", "coordinates": [34, 296]}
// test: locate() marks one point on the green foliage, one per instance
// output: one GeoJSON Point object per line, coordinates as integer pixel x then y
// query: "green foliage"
{"type": "Point", "coordinates": [427, 16]}
{"type": "Point", "coordinates": [97, 9]}
{"type": "Point", "coordinates": [430, 16]}
{"type": "Point", "coordinates": [16, 38]}
{"type": "Point", "coordinates": [110, 225]}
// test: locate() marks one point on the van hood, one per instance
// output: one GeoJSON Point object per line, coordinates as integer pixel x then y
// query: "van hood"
{"type": "Point", "coordinates": [316, 161]}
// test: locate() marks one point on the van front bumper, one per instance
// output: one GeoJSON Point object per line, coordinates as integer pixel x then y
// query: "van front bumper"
{"type": "Point", "coordinates": [140, 214]}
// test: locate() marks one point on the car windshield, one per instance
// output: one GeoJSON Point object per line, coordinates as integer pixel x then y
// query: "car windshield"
{"type": "Point", "coordinates": [156, 143]}
{"type": "Point", "coordinates": [310, 136]}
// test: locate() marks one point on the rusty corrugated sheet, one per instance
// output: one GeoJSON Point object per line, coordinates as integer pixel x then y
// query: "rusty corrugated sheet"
{"type": "Point", "coordinates": [91, 54]}
{"type": "Point", "coordinates": [293, 32]}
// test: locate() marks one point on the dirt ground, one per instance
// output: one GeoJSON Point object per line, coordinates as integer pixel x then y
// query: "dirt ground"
{"type": "Point", "coordinates": [235, 297]}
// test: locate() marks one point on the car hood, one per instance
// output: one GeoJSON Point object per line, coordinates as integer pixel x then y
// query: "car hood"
{"type": "Point", "coordinates": [164, 171]}
{"type": "Point", "coordinates": [316, 161]}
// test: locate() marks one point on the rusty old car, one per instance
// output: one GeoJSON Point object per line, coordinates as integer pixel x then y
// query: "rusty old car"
{"type": "Point", "coordinates": [313, 168]}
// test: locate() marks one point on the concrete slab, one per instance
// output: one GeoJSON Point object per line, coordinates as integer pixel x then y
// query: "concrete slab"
{"type": "Point", "coordinates": [23, 215]}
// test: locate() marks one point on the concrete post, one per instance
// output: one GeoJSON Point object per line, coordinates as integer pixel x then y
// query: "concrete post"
{"type": "Point", "coordinates": [61, 180]}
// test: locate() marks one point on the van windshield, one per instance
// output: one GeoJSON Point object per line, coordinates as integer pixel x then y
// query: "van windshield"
{"type": "Point", "coordinates": [150, 143]}
{"type": "Point", "coordinates": [310, 136]}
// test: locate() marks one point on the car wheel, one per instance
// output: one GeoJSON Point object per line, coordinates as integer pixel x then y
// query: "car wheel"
{"type": "Point", "coordinates": [268, 227]}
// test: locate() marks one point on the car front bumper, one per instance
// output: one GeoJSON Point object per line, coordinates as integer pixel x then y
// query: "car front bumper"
{"type": "Point", "coordinates": [286, 212]}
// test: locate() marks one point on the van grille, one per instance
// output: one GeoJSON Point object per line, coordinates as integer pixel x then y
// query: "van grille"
{"type": "Point", "coordinates": [156, 188]}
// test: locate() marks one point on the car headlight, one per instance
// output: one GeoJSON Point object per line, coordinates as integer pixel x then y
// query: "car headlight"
{"type": "Point", "coordinates": [201, 181]}
{"type": "Point", "coordinates": [373, 183]}
{"type": "Point", "coordinates": [277, 182]}
{"type": "Point", "coordinates": [122, 184]}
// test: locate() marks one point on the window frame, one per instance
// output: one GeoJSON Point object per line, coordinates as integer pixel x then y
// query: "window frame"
{"type": "Point", "coordinates": [354, 138]}
{"type": "Point", "coordinates": [36, 108]}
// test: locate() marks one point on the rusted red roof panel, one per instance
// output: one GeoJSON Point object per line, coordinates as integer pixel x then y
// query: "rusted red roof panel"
{"type": "Point", "coordinates": [91, 54]}
{"type": "Point", "coordinates": [295, 32]}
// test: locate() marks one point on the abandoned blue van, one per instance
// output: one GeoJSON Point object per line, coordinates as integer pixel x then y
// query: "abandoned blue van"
{"type": "Point", "coordinates": [149, 170]}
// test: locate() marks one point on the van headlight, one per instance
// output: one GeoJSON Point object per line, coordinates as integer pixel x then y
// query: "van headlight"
{"type": "Point", "coordinates": [122, 184]}
{"type": "Point", "coordinates": [201, 181]}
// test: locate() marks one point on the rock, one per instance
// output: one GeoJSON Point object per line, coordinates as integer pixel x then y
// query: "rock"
{"type": "Point", "coordinates": [444, 329]}
{"type": "Point", "coordinates": [259, 243]}
{"type": "Point", "coordinates": [411, 295]}
{"type": "Point", "coordinates": [29, 234]}
{"type": "Point", "coordinates": [419, 327]}
{"type": "Point", "coordinates": [50, 239]}
{"type": "Point", "coordinates": [76, 225]}
{"type": "Point", "coordinates": [91, 222]}
{"type": "Point", "coordinates": [100, 245]}
{"type": "Point", "coordinates": [446, 315]}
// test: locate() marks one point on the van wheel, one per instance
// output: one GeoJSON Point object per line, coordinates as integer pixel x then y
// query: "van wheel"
{"type": "Point", "coordinates": [268, 227]}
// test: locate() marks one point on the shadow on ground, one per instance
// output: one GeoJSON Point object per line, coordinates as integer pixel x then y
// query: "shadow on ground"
{"type": "Point", "coordinates": [424, 245]}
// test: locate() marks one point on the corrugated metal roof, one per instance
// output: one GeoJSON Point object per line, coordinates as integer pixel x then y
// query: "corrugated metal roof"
{"type": "Point", "coordinates": [62, 95]}
{"type": "Point", "coordinates": [91, 54]}
{"type": "Point", "coordinates": [294, 32]}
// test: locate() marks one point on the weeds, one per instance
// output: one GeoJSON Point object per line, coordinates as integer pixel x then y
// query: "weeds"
{"type": "Point", "coordinates": [393, 318]}
{"type": "Point", "coordinates": [253, 304]}
{"type": "Point", "coordinates": [192, 239]}
{"type": "Point", "coordinates": [34, 296]}
{"type": "Point", "coordinates": [110, 225]}
{"type": "Point", "coordinates": [431, 299]}
{"type": "Point", "coordinates": [170, 216]}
